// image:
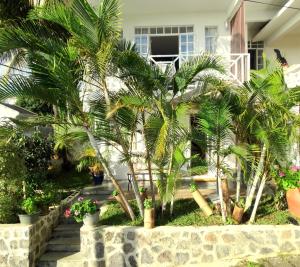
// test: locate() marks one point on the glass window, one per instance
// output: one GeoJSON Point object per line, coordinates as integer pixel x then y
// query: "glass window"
{"type": "Point", "coordinates": [168, 30]}
{"type": "Point", "coordinates": [186, 44]}
{"type": "Point", "coordinates": [145, 30]}
{"type": "Point", "coordinates": [211, 36]}
{"type": "Point", "coordinates": [182, 30]}
{"type": "Point", "coordinates": [137, 31]}
{"type": "Point", "coordinates": [141, 44]}
{"type": "Point", "coordinates": [160, 30]}
{"type": "Point", "coordinates": [174, 29]}
{"type": "Point", "coordinates": [153, 30]}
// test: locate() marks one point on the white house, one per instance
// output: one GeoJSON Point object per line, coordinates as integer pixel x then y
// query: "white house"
{"type": "Point", "coordinates": [241, 31]}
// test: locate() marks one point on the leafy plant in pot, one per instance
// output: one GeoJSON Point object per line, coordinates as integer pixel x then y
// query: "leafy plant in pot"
{"type": "Point", "coordinates": [289, 180]}
{"type": "Point", "coordinates": [31, 216]}
{"type": "Point", "coordinates": [149, 220]}
{"type": "Point", "coordinates": [86, 210]}
{"type": "Point", "coordinates": [202, 203]}
{"type": "Point", "coordinates": [238, 210]}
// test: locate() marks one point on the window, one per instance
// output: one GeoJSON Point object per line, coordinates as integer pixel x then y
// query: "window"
{"type": "Point", "coordinates": [186, 44]}
{"type": "Point", "coordinates": [141, 43]}
{"type": "Point", "coordinates": [164, 30]}
{"type": "Point", "coordinates": [211, 36]}
{"type": "Point", "coordinates": [256, 50]}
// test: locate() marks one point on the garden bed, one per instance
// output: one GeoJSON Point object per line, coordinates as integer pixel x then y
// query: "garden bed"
{"type": "Point", "coordinates": [187, 213]}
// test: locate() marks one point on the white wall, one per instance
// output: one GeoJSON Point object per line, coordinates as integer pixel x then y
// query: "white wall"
{"type": "Point", "coordinates": [289, 47]}
{"type": "Point", "coordinates": [198, 20]}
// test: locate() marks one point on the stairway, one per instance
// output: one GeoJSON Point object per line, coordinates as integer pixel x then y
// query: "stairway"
{"type": "Point", "coordinates": [63, 249]}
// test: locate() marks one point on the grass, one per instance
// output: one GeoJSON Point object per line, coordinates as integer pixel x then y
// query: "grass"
{"type": "Point", "coordinates": [187, 213]}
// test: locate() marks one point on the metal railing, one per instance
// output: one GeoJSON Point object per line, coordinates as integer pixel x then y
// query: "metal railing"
{"type": "Point", "coordinates": [237, 65]}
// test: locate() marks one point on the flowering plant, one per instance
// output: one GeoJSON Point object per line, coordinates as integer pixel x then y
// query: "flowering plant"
{"type": "Point", "coordinates": [82, 207]}
{"type": "Point", "coordinates": [289, 178]}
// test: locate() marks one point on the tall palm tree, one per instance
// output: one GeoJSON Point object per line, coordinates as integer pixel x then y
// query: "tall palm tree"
{"type": "Point", "coordinates": [162, 100]}
{"type": "Point", "coordinates": [59, 72]}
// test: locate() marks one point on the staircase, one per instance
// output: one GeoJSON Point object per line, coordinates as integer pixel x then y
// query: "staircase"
{"type": "Point", "coordinates": [63, 249]}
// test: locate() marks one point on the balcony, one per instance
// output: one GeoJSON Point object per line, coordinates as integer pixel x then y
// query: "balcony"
{"type": "Point", "coordinates": [237, 65]}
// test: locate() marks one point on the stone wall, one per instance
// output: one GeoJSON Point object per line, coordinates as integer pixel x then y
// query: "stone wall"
{"type": "Point", "coordinates": [185, 246]}
{"type": "Point", "coordinates": [22, 245]}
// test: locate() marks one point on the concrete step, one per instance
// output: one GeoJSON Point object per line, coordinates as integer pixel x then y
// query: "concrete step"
{"type": "Point", "coordinates": [99, 197]}
{"type": "Point", "coordinates": [61, 259]}
{"type": "Point", "coordinates": [67, 230]}
{"type": "Point", "coordinates": [64, 244]}
{"type": "Point", "coordinates": [96, 190]}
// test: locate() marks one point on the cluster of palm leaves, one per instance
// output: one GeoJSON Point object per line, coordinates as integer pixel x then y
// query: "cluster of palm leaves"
{"type": "Point", "coordinates": [70, 69]}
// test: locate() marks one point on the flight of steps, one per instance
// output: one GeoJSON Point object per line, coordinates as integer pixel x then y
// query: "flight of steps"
{"type": "Point", "coordinates": [63, 249]}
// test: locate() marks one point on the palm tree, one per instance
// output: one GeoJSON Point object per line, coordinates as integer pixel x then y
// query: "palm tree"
{"type": "Point", "coordinates": [162, 101]}
{"type": "Point", "coordinates": [59, 72]}
{"type": "Point", "coordinates": [270, 123]}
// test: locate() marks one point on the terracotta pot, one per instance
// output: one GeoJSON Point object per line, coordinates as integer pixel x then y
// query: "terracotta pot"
{"type": "Point", "coordinates": [149, 218]}
{"type": "Point", "coordinates": [202, 203]}
{"type": "Point", "coordinates": [293, 200]}
{"type": "Point", "coordinates": [121, 202]}
{"type": "Point", "coordinates": [238, 213]}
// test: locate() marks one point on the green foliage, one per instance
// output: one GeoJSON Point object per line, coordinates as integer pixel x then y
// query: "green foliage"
{"type": "Point", "coordinates": [115, 193]}
{"type": "Point", "coordinates": [82, 207]}
{"type": "Point", "coordinates": [29, 206]}
{"type": "Point", "coordinates": [289, 178]}
{"type": "Point", "coordinates": [241, 203]}
{"type": "Point", "coordinates": [142, 189]}
{"type": "Point", "coordinates": [10, 200]}
{"type": "Point", "coordinates": [193, 187]}
{"type": "Point", "coordinates": [148, 204]}
{"type": "Point", "coordinates": [35, 105]}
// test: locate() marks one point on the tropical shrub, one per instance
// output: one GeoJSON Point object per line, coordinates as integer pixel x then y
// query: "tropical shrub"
{"type": "Point", "coordinates": [289, 178]}
{"type": "Point", "coordinates": [29, 206]}
{"type": "Point", "coordinates": [80, 208]}
{"type": "Point", "coordinates": [148, 204]}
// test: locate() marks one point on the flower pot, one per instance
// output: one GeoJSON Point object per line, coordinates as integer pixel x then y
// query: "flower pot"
{"type": "Point", "coordinates": [238, 213]}
{"type": "Point", "coordinates": [202, 203]}
{"type": "Point", "coordinates": [149, 218]}
{"type": "Point", "coordinates": [28, 219]}
{"type": "Point", "coordinates": [98, 178]}
{"type": "Point", "coordinates": [91, 219]}
{"type": "Point", "coordinates": [293, 200]}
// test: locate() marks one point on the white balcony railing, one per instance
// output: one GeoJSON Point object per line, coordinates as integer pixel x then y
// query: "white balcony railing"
{"type": "Point", "coordinates": [237, 65]}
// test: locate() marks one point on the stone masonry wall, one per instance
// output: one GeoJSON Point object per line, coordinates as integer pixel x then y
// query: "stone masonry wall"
{"type": "Point", "coordinates": [22, 245]}
{"type": "Point", "coordinates": [185, 246]}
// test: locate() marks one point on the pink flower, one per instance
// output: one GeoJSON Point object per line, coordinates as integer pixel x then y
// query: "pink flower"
{"type": "Point", "coordinates": [67, 212]}
{"type": "Point", "coordinates": [294, 168]}
{"type": "Point", "coordinates": [80, 198]}
{"type": "Point", "coordinates": [281, 174]}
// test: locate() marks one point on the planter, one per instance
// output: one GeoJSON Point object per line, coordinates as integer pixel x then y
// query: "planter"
{"type": "Point", "coordinates": [98, 178]}
{"type": "Point", "coordinates": [26, 219]}
{"type": "Point", "coordinates": [149, 220]}
{"type": "Point", "coordinates": [238, 213]}
{"type": "Point", "coordinates": [91, 219]}
{"type": "Point", "coordinates": [202, 203]}
{"type": "Point", "coordinates": [293, 200]}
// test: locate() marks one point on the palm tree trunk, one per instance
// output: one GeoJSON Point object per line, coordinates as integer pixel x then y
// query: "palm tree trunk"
{"type": "Point", "coordinates": [125, 151]}
{"type": "Point", "coordinates": [109, 173]}
{"type": "Point", "coordinates": [258, 197]}
{"type": "Point", "coordinates": [258, 172]}
{"type": "Point", "coordinates": [220, 190]}
{"type": "Point", "coordinates": [238, 183]}
{"type": "Point", "coordinates": [149, 166]}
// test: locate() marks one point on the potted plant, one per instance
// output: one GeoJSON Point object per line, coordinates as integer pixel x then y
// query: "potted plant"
{"type": "Point", "coordinates": [289, 180]}
{"type": "Point", "coordinates": [149, 220]}
{"type": "Point", "coordinates": [117, 197]}
{"type": "Point", "coordinates": [97, 173]}
{"type": "Point", "coordinates": [143, 193]}
{"type": "Point", "coordinates": [30, 208]}
{"type": "Point", "coordinates": [238, 210]}
{"type": "Point", "coordinates": [200, 200]}
{"type": "Point", "coordinates": [85, 210]}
